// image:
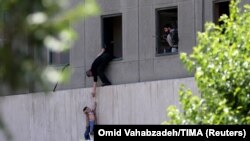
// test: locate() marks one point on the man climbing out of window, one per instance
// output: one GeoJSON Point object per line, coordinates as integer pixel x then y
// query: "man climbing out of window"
{"type": "Point", "coordinates": [98, 67]}
{"type": "Point", "coordinates": [172, 37]}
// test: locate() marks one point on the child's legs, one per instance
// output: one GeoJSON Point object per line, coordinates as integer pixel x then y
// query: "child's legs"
{"type": "Point", "coordinates": [91, 124]}
{"type": "Point", "coordinates": [86, 134]}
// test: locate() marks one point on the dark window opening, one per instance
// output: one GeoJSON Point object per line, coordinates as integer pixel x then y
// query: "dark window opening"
{"type": "Point", "coordinates": [61, 58]}
{"type": "Point", "coordinates": [166, 18]}
{"type": "Point", "coordinates": [220, 8]}
{"type": "Point", "coordinates": [112, 34]}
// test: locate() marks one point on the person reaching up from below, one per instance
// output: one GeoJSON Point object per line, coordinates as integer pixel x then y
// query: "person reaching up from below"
{"type": "Point", "coordinates": [90, 121]}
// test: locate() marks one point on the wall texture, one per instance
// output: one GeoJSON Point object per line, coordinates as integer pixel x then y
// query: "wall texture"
{"type": "Point", "coordinates": [58, 116]}
{"type": "Point", "coordinates": [139, 62]}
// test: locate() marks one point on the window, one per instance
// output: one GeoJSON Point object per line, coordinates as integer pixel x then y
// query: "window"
{"type": "Point", "coordinates": [166, 20]}
{"type": "Point", "coordinates": [112, 34]}
{"type": "Point", "coordinates": [61, 58]}
{"type": "Point", "coordinates": [220, 8]}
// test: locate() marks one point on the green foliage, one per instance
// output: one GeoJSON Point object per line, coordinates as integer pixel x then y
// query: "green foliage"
{"type": "Point", "coordinates": [26, 27]}
{"type": "Point", "coordinates": [221, 62]}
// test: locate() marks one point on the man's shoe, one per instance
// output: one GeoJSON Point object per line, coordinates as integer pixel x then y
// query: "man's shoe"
{"type": "Point", "coordinates": [106, 84]}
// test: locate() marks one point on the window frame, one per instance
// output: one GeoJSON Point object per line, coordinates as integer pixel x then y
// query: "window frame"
{"type": "Point", "coordinates": [49, 56]}
{"type": "Point", "coordinates": [216, 2]}
{"type": "Point", "coordinates": [102, 32]}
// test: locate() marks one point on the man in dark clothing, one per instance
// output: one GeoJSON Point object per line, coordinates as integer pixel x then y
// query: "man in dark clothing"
{"type": "Point", "coordinates": [171, 37]}
{"type": "Point", "coordinates": [98, 67]}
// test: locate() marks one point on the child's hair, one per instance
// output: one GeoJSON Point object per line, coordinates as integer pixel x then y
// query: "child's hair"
{"type": "Point", "coordinates": [84, 109]}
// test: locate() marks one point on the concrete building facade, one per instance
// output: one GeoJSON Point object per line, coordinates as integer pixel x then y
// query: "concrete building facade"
{"type": "Point", "coordinates": [139, 60]}
{"type": "Point", "coordinates": [58, 116]}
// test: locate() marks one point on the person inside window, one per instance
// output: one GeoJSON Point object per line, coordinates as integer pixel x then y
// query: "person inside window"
{"type": "Point", "coordinates": [171, 37]}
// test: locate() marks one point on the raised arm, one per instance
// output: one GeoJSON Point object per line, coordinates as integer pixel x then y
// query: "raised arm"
{"type": "Point", "coordinates": [94, 110]}
{"type": "Point", "coordinates": [94, 89]}
{"type": "Point", "coordinates": [95, 105]}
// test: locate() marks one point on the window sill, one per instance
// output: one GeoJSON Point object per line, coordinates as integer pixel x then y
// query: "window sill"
{"type": "Point", "coordinates": [117, 59]}
{"type": "Point", "coordinates": [58, 65]}
{"type": "Point", "coordinates": [167, 54]}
